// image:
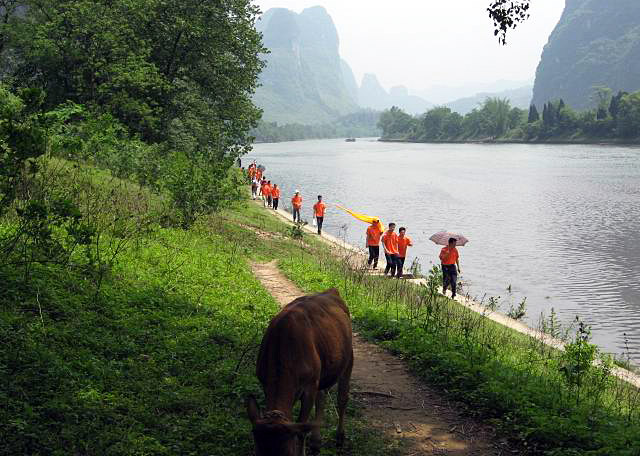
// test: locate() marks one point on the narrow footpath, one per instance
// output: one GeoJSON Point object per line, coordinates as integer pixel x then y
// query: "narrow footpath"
{"type": "Point", "coordinates": [394, 401]}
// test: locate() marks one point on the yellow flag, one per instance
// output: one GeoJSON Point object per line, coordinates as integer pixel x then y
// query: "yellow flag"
{"type": "Point", "coordinates": [363, 217]}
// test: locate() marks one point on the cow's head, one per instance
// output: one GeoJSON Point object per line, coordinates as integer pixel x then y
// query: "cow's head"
{"type": "Point", "coordinates": [274, 434]}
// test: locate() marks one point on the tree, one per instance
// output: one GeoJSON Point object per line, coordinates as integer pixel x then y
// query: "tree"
{"type": "Point", "coordinates": [497, 111]}
{"type": "Point", "coordinates": [395, 122]}
{"type": "Point", "coordinates": [533, 114]}
{"type": "Point", "coordinates": [507, 14]}
{"type": "Point", "coordinates": [629, 115]}
{"type": "Point", "coordinates": [614, 106]}
{"type": "Point", "coordinates": [433, 123]}
{"type": "Point", "coordinates": [22, 140]}
{"type": "Point", "coordinates": [180, 75]}
{"type": "Point", "coordinates": [549, 115]}
{"type": "Point", "coordinates": [601, 98]}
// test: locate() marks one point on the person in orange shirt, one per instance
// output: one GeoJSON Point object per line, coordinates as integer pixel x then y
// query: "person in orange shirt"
{"type": "Point", "coordinates": [258, 173]}
{"type": "Point", "coordinates": [318, 211]}
{"type": "Point", "coordinates": [390, 245]}
{"type": "Point", "coordinates": [296, 202]}
{"type": "Point", "coordinates": [275, 194]}
{"type": "Point", "coordinates": [450, 259]}
{"type": "Point", "coordinates": [254, 188]}
{"type": "Point", "coordinates": [263, 192]}
{"type": "Point", "coordinates": [373, 243]}
{"type": "Point", "coordinates": [403, 243]}
{"type": "Point", "coordinates": [268, 191]}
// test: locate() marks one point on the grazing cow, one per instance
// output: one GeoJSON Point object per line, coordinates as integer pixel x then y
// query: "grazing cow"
{"type": "Point", "coordinates": [306, 350]}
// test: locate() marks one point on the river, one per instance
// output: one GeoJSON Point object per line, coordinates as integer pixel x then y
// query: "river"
{"type": "Point", "coordinates": [557, 224]}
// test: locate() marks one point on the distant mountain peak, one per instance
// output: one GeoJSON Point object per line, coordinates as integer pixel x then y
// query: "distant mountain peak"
{"type": "Point", "coordinates": [304, 80]}
{"type": "Point", "coordinates": [372, 95]}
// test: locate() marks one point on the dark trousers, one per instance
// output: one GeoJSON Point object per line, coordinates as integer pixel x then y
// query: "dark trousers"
{"type": "Point", "coordinates": [319, 220]}
{"type": "Point", "coordinates": [296, 215]}
{"type": "Point", "coordinates": [400, 264]}
{"type": "Point", "coordinates": [374, 254]}
{"type": "Point", "coordinates": [392, 263]}
{"type": "Point", "coordinates": [449, 278]}
{"type": "Point", "coordinates": [269, 201]}
{"type": "Point", "coordinates": [275, 203]}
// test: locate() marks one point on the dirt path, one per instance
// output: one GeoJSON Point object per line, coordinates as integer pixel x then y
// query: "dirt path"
{"type": "Point", "coordinates": [394, 401]}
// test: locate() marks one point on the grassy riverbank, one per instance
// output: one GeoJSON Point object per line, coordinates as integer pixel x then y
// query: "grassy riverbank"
{"type": "Point", "coordinates": [155, 354]}
{"type": "Point", "coordinates": [156, 357]}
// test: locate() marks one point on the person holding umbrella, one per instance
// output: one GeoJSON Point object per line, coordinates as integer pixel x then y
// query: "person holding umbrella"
{"type": "Point", "coordinates": [450, 260]}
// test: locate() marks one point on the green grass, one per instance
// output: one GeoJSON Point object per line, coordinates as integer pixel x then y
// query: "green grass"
{"type": "Point", "coordinates": [158, 356]}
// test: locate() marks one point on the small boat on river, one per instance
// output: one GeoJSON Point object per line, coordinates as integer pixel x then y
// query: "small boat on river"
{"type": "Point", "coordinates": [350, 140]}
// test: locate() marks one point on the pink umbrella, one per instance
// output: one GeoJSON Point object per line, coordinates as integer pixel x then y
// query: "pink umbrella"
{"type": "Point", "coordinates": [442, 238]}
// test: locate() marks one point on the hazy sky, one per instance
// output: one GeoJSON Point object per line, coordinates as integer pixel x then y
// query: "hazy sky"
{"type": "Point", "coordinates": [422, 43]}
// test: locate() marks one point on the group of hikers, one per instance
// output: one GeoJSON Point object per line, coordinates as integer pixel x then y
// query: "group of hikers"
{"type": "Point", "coordinates": [395, 245]}
{"type": "Point", "coordinates": [270, 194]}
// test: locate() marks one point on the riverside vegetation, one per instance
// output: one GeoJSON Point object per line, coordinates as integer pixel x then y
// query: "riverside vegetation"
{"type": "Point", "coordinates": [129, 317]}
{"type": "Point", "coordinates": [616, 118]}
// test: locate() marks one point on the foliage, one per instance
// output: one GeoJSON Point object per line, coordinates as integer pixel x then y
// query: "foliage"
{"type": "Point", "coordinates": [616, 118]}
{"type": "Point", "coordinates": [167, 84]}
{"type": "Point", "coordinates": [507, 14]}
{"type": "Point", "coordinates": [22, 141]}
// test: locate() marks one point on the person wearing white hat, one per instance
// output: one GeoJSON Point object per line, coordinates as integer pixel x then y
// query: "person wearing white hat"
{"type": "Point", "coordinates": [296, 202]}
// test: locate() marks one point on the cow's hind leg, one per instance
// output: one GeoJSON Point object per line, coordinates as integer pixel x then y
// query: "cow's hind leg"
{"type": "Point", "coordinates": [316, 440]}
{"type": "Point", "coordinates": [343, 399]}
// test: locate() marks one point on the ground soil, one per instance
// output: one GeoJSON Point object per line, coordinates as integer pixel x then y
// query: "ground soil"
{"type": "Point", "coordinates": [394, 401]}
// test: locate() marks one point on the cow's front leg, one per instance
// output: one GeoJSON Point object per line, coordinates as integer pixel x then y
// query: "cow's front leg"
{"type": "Point", "coordinates": [316, 440]}
{"type": "Point", "coordinates": [306, 404]}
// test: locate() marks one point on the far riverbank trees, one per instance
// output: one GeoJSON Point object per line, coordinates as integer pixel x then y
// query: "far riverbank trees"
{"type": "Point", "coordinates": [615, 118]}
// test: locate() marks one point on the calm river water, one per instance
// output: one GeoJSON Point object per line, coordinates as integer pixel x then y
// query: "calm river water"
{"type": "Point", "coordinates": [560, 224]}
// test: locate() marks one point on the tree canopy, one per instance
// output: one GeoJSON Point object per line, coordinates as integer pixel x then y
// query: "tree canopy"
{"type": "Point", "coordinates": [177, 75]}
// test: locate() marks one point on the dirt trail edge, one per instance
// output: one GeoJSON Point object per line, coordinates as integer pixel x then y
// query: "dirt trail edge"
{"type": "Point", "coordinates": [395, 401]}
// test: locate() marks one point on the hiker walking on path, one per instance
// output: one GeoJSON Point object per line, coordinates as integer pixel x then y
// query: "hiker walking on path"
{"type": "Point", "coordinates": [268, 189]}
{"type": "Point", "coordinates": [254, 188]}
{"type": "Point", "coordinates": [449, 258]}
{"type": "Point", "coordinates": [373, 243]}
{"type": "Point", "coordinates": [275, 195]}
{"type": "Point", "coordinates": [296, 202]}
{"type": "Point", "coordinates": [263, 192]}
{"type": "Point", "coordinates": [390, 244]}
{"type": "Point", "coordinates": [318, 212]}
{"type": "Point", "coordinates": [403, 243]}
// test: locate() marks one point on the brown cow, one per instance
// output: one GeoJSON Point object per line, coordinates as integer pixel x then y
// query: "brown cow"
{"type": "Point", "coordinates": [306, 350]}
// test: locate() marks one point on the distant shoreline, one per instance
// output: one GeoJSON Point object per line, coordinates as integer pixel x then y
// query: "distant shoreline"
{"type": "Point", "coordinates": [559, 142]}
{"type": "Point", "coordinates": [518, 141]}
